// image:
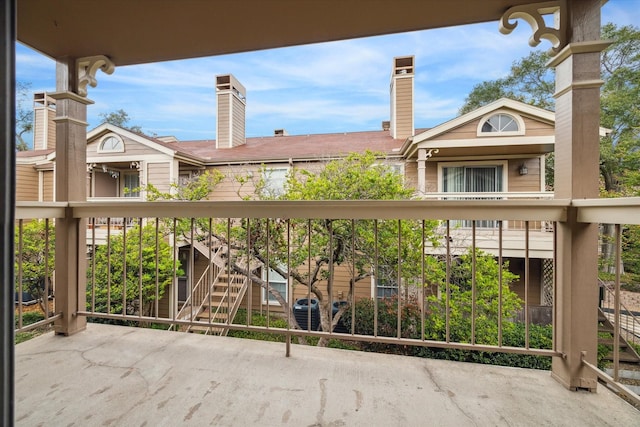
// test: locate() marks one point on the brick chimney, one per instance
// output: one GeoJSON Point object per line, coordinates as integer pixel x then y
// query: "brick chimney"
{"type": "Point", "coordinates": [231, 100]}
{"type": "Point", "coordinates": [44, 128]}
{"type": "Point", "coordinates": [401, 89]}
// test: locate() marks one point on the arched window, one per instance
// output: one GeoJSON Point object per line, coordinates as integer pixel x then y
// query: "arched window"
{"type": "Point", "coordinates": [500, 123]}
{"type": "Point", "coordinates": [111, 144]}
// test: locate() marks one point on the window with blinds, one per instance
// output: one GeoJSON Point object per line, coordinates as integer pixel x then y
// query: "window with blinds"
{"type": "Point", "coordinates": [473, 179]}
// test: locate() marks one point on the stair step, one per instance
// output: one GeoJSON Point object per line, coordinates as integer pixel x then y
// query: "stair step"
{"type": "Point", "coordinates": [624, 357]}
{"type": "Point", "coordinates": [609, 341]}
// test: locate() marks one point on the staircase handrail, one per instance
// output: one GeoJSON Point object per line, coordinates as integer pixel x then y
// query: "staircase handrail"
{"type": "Point", "coordinates": [194, 291]}
{"type": "Point", "coordinates": [628, 313]}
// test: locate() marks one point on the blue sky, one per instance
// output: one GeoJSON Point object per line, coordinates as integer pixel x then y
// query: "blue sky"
{"type": "Point", "coordinates": [322, 88]}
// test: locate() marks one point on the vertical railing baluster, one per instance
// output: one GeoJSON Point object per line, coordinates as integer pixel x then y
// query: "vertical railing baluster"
{"type": "Point", "coordinates": [423, 279]}
{"type": "Point", "coordinates": [140, 258]}
{"type": "Point", "coordinates": [554, 311]}
{"type": "Point", "coordinates": [124, 266]}
{"type": "Point", "coordinates": [329, 281]}
{"type": "Point", "coordinates": [45, 297]}
{"type": "Point", "coordinates": [109, 266]}
{"type": "Point", "coordinates": [526, 284]}
{"type": "Point", "coordinates": [157, 268]}
{"type": "Point", "coordinates": [447, 309]}
{"type": "Point", "coordinates": [616, 323]}
{"type": "Point", "coordinates": [249, 287]}
{"type": "Point", "coordinates": [176, 284]}
{"type": "Point", "coordinates": [352, 288]}
{"type": "Point", "coordinates": [288, 284]}
{"type": "Point", "coordinates": [229, 271]}
{"type": "Point", "coordinates": [500, 283]}
{"type": "Point", "coordinates": [210, 284]}
{"type": "Point", "coordinates": [399, 280]}
{"type": "Point", "coordinates": [473, 282]}
{"type": "Point", "coordinates": [309, 228]}
{"type": "Point", "coordinates": [376, 268]}
{"type": "Point", "coordinates": [93, 265]}
{"type": "Point", "coordinates": [191, 270]}
{"type": "Point", "coordinates": [20, 272]}
{"type": "Point", "coordinates": [268, 272]}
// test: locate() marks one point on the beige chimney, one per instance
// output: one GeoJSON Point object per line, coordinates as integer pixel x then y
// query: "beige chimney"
{"type": "Point", "coordinates": [44, 128]}
{"type": "Point", "coordinates": [401, 88]}
{"type": "Point", "coordinates": [231, 100]}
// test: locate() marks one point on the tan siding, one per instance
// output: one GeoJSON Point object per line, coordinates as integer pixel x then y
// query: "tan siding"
{"type": "Point", "coordinates": [158, 175]}
{"type": "Point", "coordinates": [48, 189]}
{"type": "Point", "coordinates": [516, 266]}
{"type": "Point", "coordinates": [131, 148]}
{"type": "Point", "coordinates": [104, 185]}
{"type": "Point", "coordinates": [411, 175]}
{"type": "Point", "coordinates": [431, 173]}
{"type": "Point", "coordinates": [404, 107]}
{"type": "Point", "coordinates": [537, 128]}
{"type": "Point", "coordinates": [223, 121]}
{"type": "Point", "coordinates": [238, 122]}
{"type": "Point", "coordinates": [228, 189]}
{"type": "Point", "coordinates": [27, 183]}
{"type": "Point", "coordinates": [467, 131]}
{"type": "Point", "coordinates": [524, 183]}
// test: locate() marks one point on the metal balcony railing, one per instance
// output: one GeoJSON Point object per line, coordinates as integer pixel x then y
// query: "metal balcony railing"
{"type": "Point", "coordinates": [334, 252]}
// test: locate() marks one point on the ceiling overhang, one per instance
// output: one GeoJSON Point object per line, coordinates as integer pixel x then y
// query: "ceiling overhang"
{"type": "Point", "coordinates": [144, 31]}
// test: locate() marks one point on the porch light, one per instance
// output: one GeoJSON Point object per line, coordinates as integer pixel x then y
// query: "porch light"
{"type": "Point", "coordinates": [523, 169]}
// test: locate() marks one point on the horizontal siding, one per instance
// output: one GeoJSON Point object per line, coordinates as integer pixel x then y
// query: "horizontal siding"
{"type": "Point", "coordinates": [131, 148]}
{"type": "Point", "coordinates": [537, 128]}
{"type": "Point", "coordinates": [431, 173]}
{"type": "Point", "coordinates": [524, 183]}
{"type": "Point", "coordinates": [27, 183]}
{"type": "Point", "coordinates": [404, 107]}
{"type": "Point", "coordinates": [411, 175]}
{"type": "Point", "coordinates": [158, 175]}
{"type": "Point", "coordinates": [467, 131]}
{"type": "Point", "coordinates": [223, 121]}
{"type": "Point", "coordinates": [238, 123]}
{"type": "Point", "coordinates": [48, 187]}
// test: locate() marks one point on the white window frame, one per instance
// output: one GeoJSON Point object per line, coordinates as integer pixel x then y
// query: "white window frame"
{"type": "Point", "coordinates": [279, 281]}
{"type": "Point", "coordinates": [101, 148]}
{"type": "Point", "coordinates": [480, 163]}
{"type": "Point", "coordinates": [123, 176]}
{"type": "Point", "coordinates": [268, 189]}
{"type": "Point", "coordinates": [516, 117]}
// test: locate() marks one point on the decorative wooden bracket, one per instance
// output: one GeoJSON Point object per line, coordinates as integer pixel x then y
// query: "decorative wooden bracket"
{"type": "Point", "coordinates": [533, 15]}
{"type": "Point", "coordinates": [87, 69]}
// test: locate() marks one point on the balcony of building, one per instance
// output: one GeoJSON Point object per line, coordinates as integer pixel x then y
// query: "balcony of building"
{"type": "Point", "coordinates": [195, 377]}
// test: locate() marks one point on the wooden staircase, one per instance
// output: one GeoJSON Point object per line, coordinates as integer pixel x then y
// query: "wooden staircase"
{"type": "Point", "coordinates": [221, 305]}
{"type": "Point", "coordinates": [215, 297]}
{"type": "Point", "coordinates": [627, 353]}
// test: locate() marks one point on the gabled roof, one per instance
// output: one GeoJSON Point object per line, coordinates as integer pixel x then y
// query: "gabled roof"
{"type": "Point", "coordinates": [412, 144]}
{"type": "Point", "coordinates": [170, 149]}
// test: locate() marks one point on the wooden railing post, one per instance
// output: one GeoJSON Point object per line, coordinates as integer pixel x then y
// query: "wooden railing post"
{"type": "Point", "coordinates": [577, 96]}
{"type": "Point", "coordinates": [70, 179]}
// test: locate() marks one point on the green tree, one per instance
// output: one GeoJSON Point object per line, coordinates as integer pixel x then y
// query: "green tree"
{"type": "Point", "coordinates": [35, 257]}
{"type": "Point", "coordinates": [24, 114]}
{"type": "Point", "coordinates": [318, 247]}
{"type": "Point", "coordinates": [531, 81]}
{"type": "Point", "coordinates": [121, 119]}
{"type": "Point", "coordinates": [132, 272]}
{"type": "Point", "coordinates": [485, 299]}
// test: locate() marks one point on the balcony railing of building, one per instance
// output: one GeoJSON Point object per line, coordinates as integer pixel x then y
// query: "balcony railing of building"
{"type": "Point", "coordinates": [332, 252]}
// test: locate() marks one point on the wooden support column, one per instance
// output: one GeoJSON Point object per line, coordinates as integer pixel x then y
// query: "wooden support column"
{"type": "Point", "coordinates": [576, 177]}
{"type": "Point", "coordinates": [71, 171]}
{"type": "Point", "coordinates": [422, 171]}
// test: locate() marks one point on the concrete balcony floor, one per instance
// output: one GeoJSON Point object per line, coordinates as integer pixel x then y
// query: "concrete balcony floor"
{"type": "Point", "coordinates": [119, 376]}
